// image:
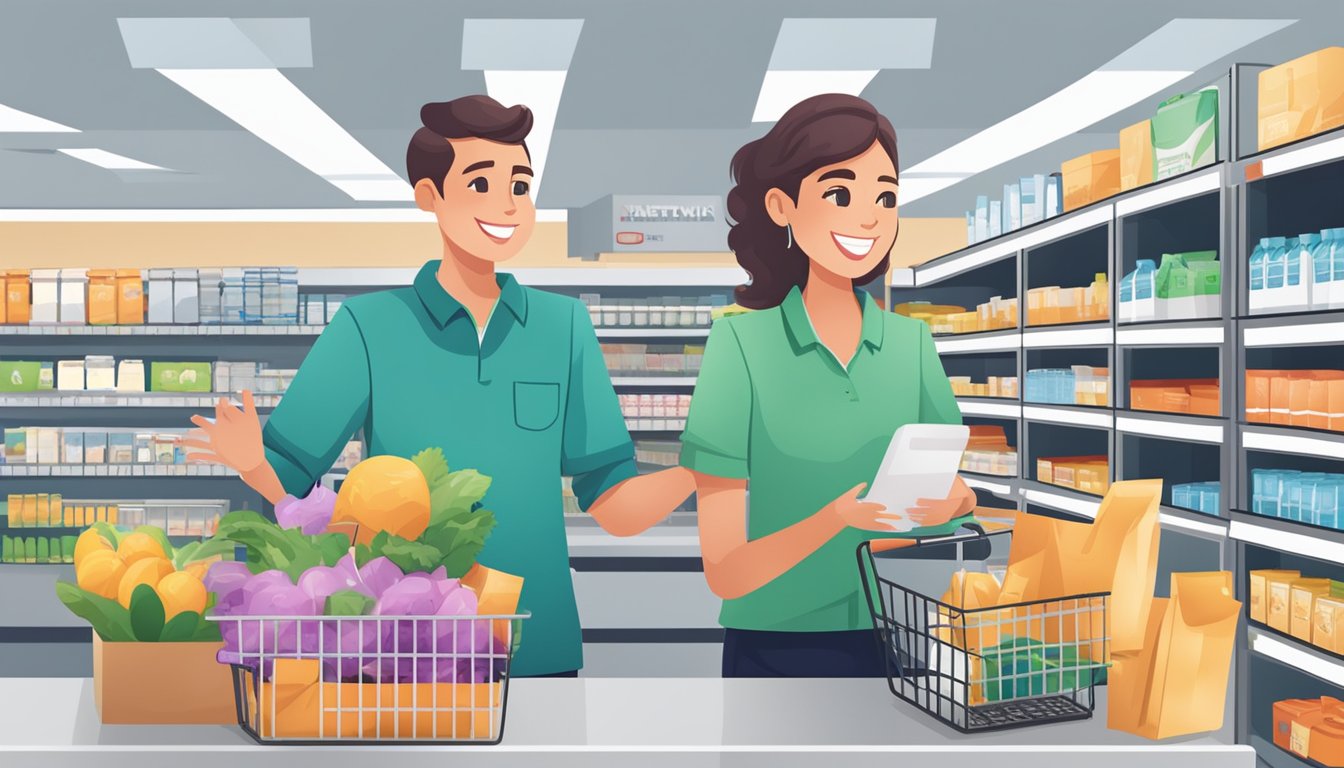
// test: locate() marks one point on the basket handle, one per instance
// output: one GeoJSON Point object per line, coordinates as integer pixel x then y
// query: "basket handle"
{"type": "Point", "coordinates": [876, 607]}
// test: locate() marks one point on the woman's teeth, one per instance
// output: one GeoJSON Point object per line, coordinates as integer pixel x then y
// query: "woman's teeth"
{"type": "Point", "coordinates": [497, 231]}
{"type": "Point", "coordinates": [855, 247]}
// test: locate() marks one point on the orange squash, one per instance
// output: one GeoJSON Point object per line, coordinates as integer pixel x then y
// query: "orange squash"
{"type": "Point", "coordinates": [384, 493]}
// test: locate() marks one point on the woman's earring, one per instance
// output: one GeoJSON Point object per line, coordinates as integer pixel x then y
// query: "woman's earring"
{"type": "Point", "coordinates": [788, 229]}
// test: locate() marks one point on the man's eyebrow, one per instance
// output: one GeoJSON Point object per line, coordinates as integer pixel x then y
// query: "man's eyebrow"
{"type": "Point", "coordinates": [478, 166]}
{"type": "Point", "coordinates": [839, 173]}
{"type": "Point", "coordinates": [517, 169]}
{"type": "Point", "coordinates": [888, 179]}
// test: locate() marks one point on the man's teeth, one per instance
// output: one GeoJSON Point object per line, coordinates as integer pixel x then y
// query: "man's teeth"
{"type": "Point", "coordinates": [494, 230]}
{"type": "Point", "coordinates": [858, 246]}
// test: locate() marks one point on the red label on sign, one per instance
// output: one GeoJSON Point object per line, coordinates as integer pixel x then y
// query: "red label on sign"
{"type": "Point", "coordinates": [629, 238]}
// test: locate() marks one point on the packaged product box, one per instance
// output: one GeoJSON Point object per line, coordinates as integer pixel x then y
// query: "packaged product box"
{"type": "Point", "coordinates": [19, 376]}
{"type": "Point", "coordinates": [1091, 177]}
{"type": "Point", "coordinates": [1325, 401]}
{"type": "Point", "coordinates": [102, 298]}
{"type": "Point", "coordinates": [1257, 395]}
{"type": "Point", "coordinates": [179, 377]}
{"type": "Point", "coordinates": [74, 285]}
{"type": "Point", "coordinates": [46, 376]}
{"type": "Point", "coordinates": [1185, 133]}
{"type": "Point", "coordinates": [72, 447]}
{"type": "Point", "coordinates": [130, 297]}
{"type": "Point", "coordinates": [4, 297]}
{"type": "Point", "coordinates": [49, 445]}
{"type": "Point", "coordinates": [41, 517]}
{"type": "Point", "coordinates": [186, 299]}
{"type": "Point", "coordinates": [16, 446]}
{"type": "Point", "coordinates": [162, 684]}
{"type": "Point", "coordinates": [1136, 155]}
{"type": "Point", "coordinates": [95, 448]}
{"type": "Point", "coordinates": [68, 515]}
{"type": "Point", "coordinates": [1205, 398]}
{"type": "Point", "coordinates": [1279, 412]}
{"type": "Point", "coordinates": [120, 448]}
{"type": "Point", "coordinates": [159, 296]}
{"type": "Point", "coordinates": [43, 550]}
{"type": "Point", "coordinates": [1327, 630]}
{"type": "Point", "coordinates": [46, 297]}
{"type": "Point", "coordinates": [1301, 98]}
{"type": "Point", "coordinates": [131, 376]}
{"type": "Point", "coordinates": [6, 550]}
{"type": "Point", "coordinates": [17, 297]}
{"type": "Point", "coordinates": [70, 375]}
{"type": "Point", "coordinates": [1304, 593]}
{"type": "Point", "coordinates": [1279, 588]}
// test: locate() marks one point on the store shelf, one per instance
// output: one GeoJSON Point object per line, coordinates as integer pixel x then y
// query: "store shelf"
{"type": "Point", "coordinates": [1326, 148]}
{"type": "Point", "coordinates": [116, 400]}
{"type": "Point", "coordinates": [1057, 498]}
{"type": "Point", "coordinates": [1180, 333]}
{"type": "Point", "coordinates": [655, 426]}
{"type": "Point", "coordinates": [1269, 754]}
{"type": "Point", "coordinates": [1090, 335]}
{"type": "Point", "coordinates": [1298, 330]}
{"type": "Point", "coordinates": [653, 381]}
{"type": "Point", "coordinates": [902, 277]}
{"type": "Point", "coordinates": [1070, 415]}
{"type": "Point", "coordinates": [990, 341]}
{"type": "Point", "coordinates": [1287, 536]}
{"type": "Point", "coordinates": [1193, 522]}
{"type": "Point", "coordinates": [1173, 426]}
{"type": "Point", "coordinates": [999, 486]}
{"type": "Point", "coordinates": [114, 470]}
{"type": "Point", "coordinates": [161, 330]}
{"type": "Point", "coordinates": [1303, 442]}
{"type": "Point", "coordinates": [1300, 656]}
{"type": "Point", "coordinates": [1008, 245]}
{"type": "Point", "coordinates": [1184, 187]}
{"type": "Point", "coordinates": [652, 333]}
{"type": "Point", "coordinates": [995, 407]}
{"type": "Point", "coordinates": [580, 275]}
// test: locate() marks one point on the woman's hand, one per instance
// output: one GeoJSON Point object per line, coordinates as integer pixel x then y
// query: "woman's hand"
{"type": "Point", "coordinates": [849, 510]}
{"type": "Point", "coordinates": [934, 512]}
{"type": "Point", "coordinates": [233, 439]}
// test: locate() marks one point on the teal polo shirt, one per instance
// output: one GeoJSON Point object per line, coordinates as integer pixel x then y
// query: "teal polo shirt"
{"type": "Point", "coordinates": [774, 407]}
{"type": "Point", "coordinates": [530, 403]}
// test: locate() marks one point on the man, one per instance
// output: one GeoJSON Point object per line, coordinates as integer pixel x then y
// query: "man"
{"type": "Point", "coordinates": [507, 380]}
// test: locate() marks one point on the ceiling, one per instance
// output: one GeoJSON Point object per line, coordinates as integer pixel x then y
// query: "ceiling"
{"type": "Point", "coordinates": [657, 98]}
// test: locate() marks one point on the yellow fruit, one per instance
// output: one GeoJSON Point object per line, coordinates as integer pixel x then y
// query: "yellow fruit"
{"type": "Point", "coordinates": [147, 571]}
{"type": "Point", "coordinates": [90, 541]}
{"type": "Point", "coordinates": [138, 546]}
{"type": "Point", "coordinates": [384, 493]}
{"type": "Point", "coordinates": [100, 572]}
{"type": "Point", "coordinates": [181, 591]}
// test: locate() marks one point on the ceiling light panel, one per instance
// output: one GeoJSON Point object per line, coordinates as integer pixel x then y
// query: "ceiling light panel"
{"type": "Point", "coordinates": [17, 121]}
{"type": "Point", "coordinates": [109, 160]}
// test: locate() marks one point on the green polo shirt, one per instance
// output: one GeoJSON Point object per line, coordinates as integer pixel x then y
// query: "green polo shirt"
{"type": "Point", "coordinates": [773, 406]}
{"type": "Point", "coordinates": [531, 403]}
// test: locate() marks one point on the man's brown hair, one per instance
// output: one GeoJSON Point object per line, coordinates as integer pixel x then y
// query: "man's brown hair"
{"type": "Point", "coordinates": [430, 156]}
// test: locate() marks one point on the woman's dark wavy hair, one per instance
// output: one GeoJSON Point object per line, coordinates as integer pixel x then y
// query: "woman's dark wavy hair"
{"type": "Point", "coordinates": [815, 133]}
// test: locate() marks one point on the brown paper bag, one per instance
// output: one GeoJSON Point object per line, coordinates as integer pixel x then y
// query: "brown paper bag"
{"type": "Point", "coordinates": [1193, 657]}
{"type": "Point", "coordinates": [1131, 675]}
{"type": "Point", "coordinates": [970, 628]}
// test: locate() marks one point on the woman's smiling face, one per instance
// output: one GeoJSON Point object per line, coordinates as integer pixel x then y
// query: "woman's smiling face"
{"type": "Point", "coordinates": [845, 218]}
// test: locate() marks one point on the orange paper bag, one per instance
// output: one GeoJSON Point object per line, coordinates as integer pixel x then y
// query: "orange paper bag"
{"type": "Point", "coordinates": [1131, 674]}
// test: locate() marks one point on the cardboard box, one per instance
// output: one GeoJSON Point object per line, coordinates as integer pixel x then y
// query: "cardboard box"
{"type": "Point", "coordinates": [1301, 97]}
{"type": "Point", "coordinates": [1327, 627]}
{"type": "Point", "coordinates": [1304, 594]}
{"type": "Point", "coordinates": [1091, 177]}
{"type": "Point", "coordinates": [162, 684]}
{"type": "Point", "coordinates": [18, 295]}
{"type": "Point", "coordinates": [1279, 608]}
{"type": "Point", "coordinates": [1136, 155]}
{"type": "Point", "coordinates": [130, 297]}
{"type": "Point", "coordinates": [1259, 591]}
{"type": "Point", "coordinates": [102, 299]}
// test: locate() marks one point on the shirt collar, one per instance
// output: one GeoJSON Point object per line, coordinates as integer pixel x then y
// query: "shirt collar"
{"type": "Point", "coordinates": [444, 308]}
{"type": "Point", "coordinates": [804, 335]}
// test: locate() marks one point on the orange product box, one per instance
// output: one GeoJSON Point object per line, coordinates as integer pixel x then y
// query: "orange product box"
{"type": "Point", "coordinates": [1091, 177]}
{"type": "Point", "coordinates": [1136, 155]}
{"type": "Point", "coordinates": [1259, 592]}
{"type": "Point", "coordinates": [1258, 385]}
{"type": "Point", "coordinates": [4, 294]}
{"type": "Point", "coordinates": [1286, 713]}
{"type": "Point", "coordinates": [1279, 412]}
{"type": "Point", "coordinates": [130, 297]}
{"type": "Point", "coordinates": [1301, 98]}
{"type": "Point", "coordinates": [1045, 471]}
{"type": "Point", "coordinates": [101, 305]}
{"type": "Point", "coordinates": [1325, 401]}
{"type": "Point", "coordinates": [161, 684]}
{"type": "Point", "coordinates": [1279, 589]}
{"type": "Point", "coordinates": [18, 297]}
{"type": "Point", "coordinates": [1327, 626]}
{"type": "Point", "coordinates": [1304, 594]}
{"type": "Point", "coordinates": [1206, 398]}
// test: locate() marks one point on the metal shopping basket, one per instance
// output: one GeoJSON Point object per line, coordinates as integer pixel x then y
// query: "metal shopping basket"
{"type": "Point", "coordinates": [370, 679]}
{"type": "Point", "coordinates": [990, 668]}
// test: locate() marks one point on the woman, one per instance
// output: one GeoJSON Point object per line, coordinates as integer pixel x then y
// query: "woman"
{"type": "Point", "coordinates": [797, 401]}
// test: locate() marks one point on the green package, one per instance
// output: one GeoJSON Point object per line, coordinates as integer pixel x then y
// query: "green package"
{"type": "Point", "coordinates": [1206, 273]}
{"type": "Point", "coordinates": [17, 551]}
{"type": "Point", "coordinates": [6, 550]}
{"type": "Point", "coordinates": [1185, 133]}
{"type": "Point", "coordinates": [1022, 667]}
{"type": "Point", "coordinates": [1173, 277]}
{"type": "Point", "coordinates": [179, 377]}
{"type": "Point", "coordinates": [30, 549]}
{"type": "Point", "coordinates": [19, 376]}
{"type": "Point", "coordinates": [43, 550]}
{"type": "Point", "coordinates": [68, 548]}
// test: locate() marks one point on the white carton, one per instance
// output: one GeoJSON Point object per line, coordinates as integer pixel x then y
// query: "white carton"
{"type": "Point", "coordinates": [74, 285]}
{"type": "Point", "coordinates": [46, 297]}
{"type": "Point", "coordinates": [160, 296]}
{"type": "Point", "coordinates": [186, 297]}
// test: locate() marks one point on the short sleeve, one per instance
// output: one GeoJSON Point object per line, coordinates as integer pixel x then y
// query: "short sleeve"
{"type": "Point", "coordinates": [717, 429]}
{"type": "Point", "coordinates": [596, 449]}
{"type": "Point", "coordinates": [937, 403]}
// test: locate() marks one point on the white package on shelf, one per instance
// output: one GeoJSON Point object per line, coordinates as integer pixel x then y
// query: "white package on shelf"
{"type": "Point", "coordinates": [70, 375]}
{"type": "Point", "coordinates": [74, 284]}
{"type": "Point", "coordinates": [131, 376]}
{"type": "Point", "coordinates": [46, 297]}
{"type": "Point", "coordinates": [159, 293]}
{"type": "Point", "coordinates": [186, 297]}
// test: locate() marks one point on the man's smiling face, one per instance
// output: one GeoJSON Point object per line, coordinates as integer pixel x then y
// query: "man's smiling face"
{"type": "Point", "coordinates": [486, 208]}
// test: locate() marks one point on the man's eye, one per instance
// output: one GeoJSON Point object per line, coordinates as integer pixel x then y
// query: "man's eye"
{"type": "Point", "coordinates": [887, 199]}
{"type": "Point", "coordinates": [838, 196]}
{"type": "Point", "coordinates": [520, 188]}
{"type": "Point", "coordinates": [480, 184]}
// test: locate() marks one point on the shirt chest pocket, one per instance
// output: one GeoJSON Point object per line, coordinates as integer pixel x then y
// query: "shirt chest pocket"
{"type": "Point", "coordinates": [536, 405]}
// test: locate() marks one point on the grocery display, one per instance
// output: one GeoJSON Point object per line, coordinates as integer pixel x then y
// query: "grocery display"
{"type": "Point", "coordinates": [1300, 98]}
{"type": "Point", "coordinates": [1315, 498]}
{"type": "Point", "coordinates": [653, 359]}
{"type": "Point", "coordinates": [1028, 201]}
{"type": "Point", "coordinates": [1312, 729]}
{"type": "Point", "coordinates": [1307, 398]}
{"type": "Point", "coordinates": [1200, 497]}
{"type": "Point", "coordinates": [1184, 286]}
{"type": "Point", "coordinates": [1078, 385]}
{"type": "Point", "coordinates": [994, 386]}
{"type": "Point", "coordinates": [1052, 305]}
{"type": "Point", "coordinates": [996, 314]}
{"type": "Point", "coordinates": [666, 312]}
{"type": "Point", "coordinates": [1294, 604]}
{"type": "Point", "coordinates": [988, 452]}
{"type": "Point", "coordinates": [1089, 474]}
{"type": "Point", "coordinates": [655, 412]}
{"type": "Point", "coordinates": [1197, 397]}
{"type": "Point", "coordinates": [1297, 274]}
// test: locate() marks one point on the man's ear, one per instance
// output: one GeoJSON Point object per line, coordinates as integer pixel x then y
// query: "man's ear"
{"type": "Point", "coordinates": [425, 195]}
{"type": "Point", "coordinates": [779, 206]}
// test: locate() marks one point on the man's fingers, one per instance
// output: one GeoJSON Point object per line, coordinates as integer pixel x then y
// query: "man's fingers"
{"type": "Point", "coordinates": [205, 424]}
{"type": "Point", "coordinates": [200, 457]}
{"type": "Point", "coordinates": [249, 405]}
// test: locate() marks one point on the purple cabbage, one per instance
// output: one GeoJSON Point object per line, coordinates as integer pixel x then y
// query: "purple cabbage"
{"type": "Point", "coordinates": [311, 514]}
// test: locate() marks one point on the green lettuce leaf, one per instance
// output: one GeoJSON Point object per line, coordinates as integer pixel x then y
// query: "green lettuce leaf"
{"type": "Point", "coordinates": [348, 603]}
{"type": "Point", "coordinates": [206, 631]}
{"type": "Point", "coordinates": [180, 628]}
{"type": "Point", "coordinates": [409, 556]}
{"type": "Point", "coordinates": [432, 465]}
{"type": "Point", "coordinates": [204, 550]}
{"type": "Point", "coordinates": [107, 617]}
{"type": "Point", "coordinates": [109, 532]}
{"type": "Point", "coordinates": [146, 614]}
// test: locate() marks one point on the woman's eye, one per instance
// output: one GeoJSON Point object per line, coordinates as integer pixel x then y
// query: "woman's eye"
{"type": "Point", "coordinates": [480, 184]}
{"type": "Point", "coordinates": [520, 188]}
{"type": "Point", "coordinates": [887, 199]}
{"type": "Point", "coordinates": [837, 195]}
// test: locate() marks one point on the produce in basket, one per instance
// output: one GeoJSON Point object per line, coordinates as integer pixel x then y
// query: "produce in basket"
{"type": "Point", "coordinates": [134, 586]}
{"type": "Point", "coordinates": [380, 561]}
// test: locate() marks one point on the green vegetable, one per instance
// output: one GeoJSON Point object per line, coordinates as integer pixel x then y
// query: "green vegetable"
{"type": "Point", "coordinates": [107, 617]}
{"type": "Point", "coordinates": [206, 631]}
{"type": "Point", "coordinates": [270, 547]}
{"type": "Point", "coordinates": [409, 556]}
{"type": "Point", "coordinates": [348, 603]}
{"type": "Point", "coordinates": [146, 614]}
{"type": "Point", "coordinates": [109, 532]}
{"type": "Point", "coordinates": [198, 550]}
{"type": "Point", "coordinates": [180, 628]}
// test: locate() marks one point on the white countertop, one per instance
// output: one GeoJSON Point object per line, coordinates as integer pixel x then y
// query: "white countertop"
{"type": "Point", "coordinates": [48, 722]}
